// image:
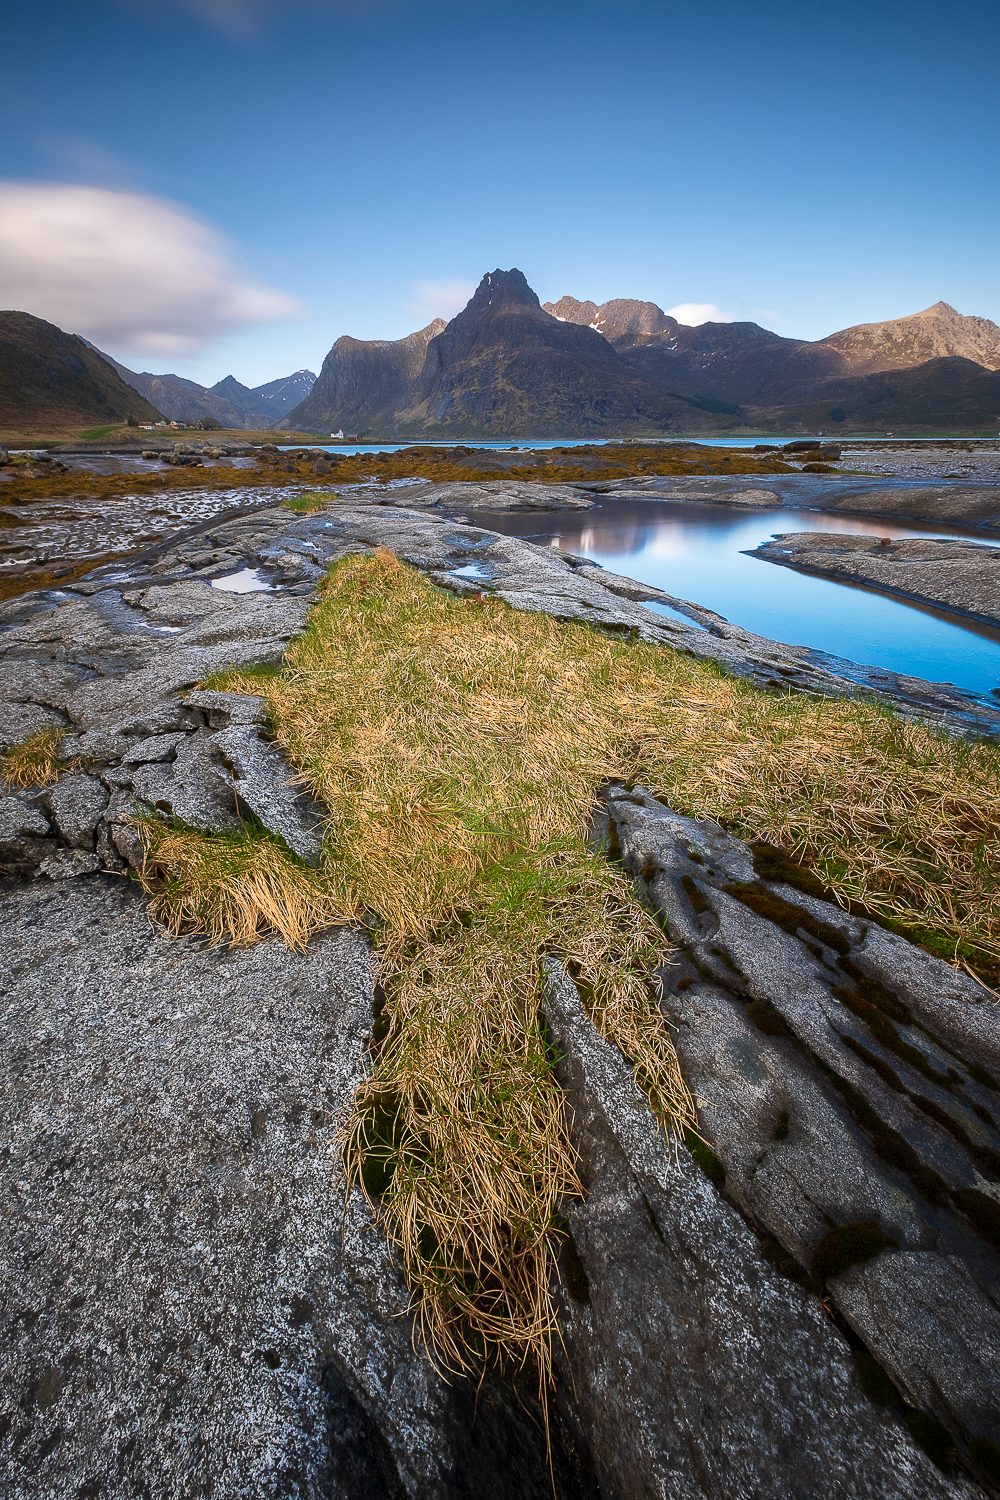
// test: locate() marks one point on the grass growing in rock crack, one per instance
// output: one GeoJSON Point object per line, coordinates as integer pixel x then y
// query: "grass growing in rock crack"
{"type": "Point", "coordinates": [309, 503]}
{"type": "Point", "coordinates": [233, 886]}
{"type": "Point", "coordinates": [34, 762]}
{"type": "Point", "coordinates": [458, 744]}
{"type": "Point", "coordinates": [895, 818]}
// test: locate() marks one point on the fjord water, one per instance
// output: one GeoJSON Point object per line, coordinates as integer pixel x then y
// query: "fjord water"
{"type": "Point", "coordinates": [695, 552]}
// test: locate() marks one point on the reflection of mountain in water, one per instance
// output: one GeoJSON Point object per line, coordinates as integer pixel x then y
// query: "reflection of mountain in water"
{"type": "Point", "coordinates": [697, 552]}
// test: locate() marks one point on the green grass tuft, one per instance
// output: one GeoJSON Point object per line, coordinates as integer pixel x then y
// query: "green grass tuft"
{"type": "Point", "coordinates": [308, 504]}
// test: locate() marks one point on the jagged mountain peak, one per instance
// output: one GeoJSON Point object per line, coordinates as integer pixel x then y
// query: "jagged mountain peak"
{"type": "Point", "coordinates": [501, 291]}
{"type": "Point", "coordinates": [572, 310]}
{"type": "Point", "coordinates": [232, 389]}
{"type": "Point", "coordinates": [621, 319]}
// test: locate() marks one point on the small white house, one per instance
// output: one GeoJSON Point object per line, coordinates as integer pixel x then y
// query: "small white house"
{"type": "Point", "coordinates": [339, 434]}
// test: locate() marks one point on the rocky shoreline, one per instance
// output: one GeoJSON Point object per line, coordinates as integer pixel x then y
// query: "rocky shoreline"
{"type": "Point", "coordinates": [952, 575]}
{"type": "Point", "coordinates": [237, 1328]}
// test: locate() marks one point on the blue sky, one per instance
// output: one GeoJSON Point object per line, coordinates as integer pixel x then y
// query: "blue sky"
{"type": "Point", "coordinates": [808, 166]}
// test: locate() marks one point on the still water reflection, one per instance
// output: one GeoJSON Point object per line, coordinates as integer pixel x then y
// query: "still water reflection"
{"type": "Point", "coordinates": [695, 552]}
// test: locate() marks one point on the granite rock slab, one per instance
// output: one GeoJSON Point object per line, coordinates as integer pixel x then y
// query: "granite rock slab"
{"type": "Point", "coordinates": [698, 1369]}
{"type": "Point", "coordinates": [958, 576]}
{"type": "Point", "coordinates": [192, 1308]}
{"type": "Point", "coordinates": [819, 1120]}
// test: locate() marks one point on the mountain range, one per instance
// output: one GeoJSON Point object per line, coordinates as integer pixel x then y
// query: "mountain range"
{"type": "Point", "coordinates": [509, 366]}
{"type": "Point", "coordinates": [748, 365]}
{"type": "Point", "coordinates": [230, 403]}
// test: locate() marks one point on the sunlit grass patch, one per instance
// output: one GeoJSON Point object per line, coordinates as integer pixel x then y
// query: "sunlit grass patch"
{"type": "Point", "coordinates": [233, 886]}
{"type": "Point", "coordinates": [308, 504]}
{"type": "Point", "coordinates": [34, 762]}
{"type": "Point", "coordinates": [458, 745]}
{"type": "Point", "coordinates": [460, 1136]}
{"type": "Point", "coordinates": [893, 817]}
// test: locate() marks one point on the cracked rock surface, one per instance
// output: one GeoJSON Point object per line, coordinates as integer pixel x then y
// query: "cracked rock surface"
{"type": "Point", "coordinates": [115, 661]}
{"type": "Point", "coordinates": [193, 1310]}
{"type": "Point", "coordinates": [706, 1372]}
{"type": "Point", "coordinates": [190, 1307]}
{"type": "Point", "coordinates": [495, 494]}
{"type": "Point", "coordinates": [844, 1077]}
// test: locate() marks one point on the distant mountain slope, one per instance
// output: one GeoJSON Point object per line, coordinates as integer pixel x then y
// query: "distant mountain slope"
{"type": "Point", "coordinates": [731, 362]}
{"type": "Point", "coordinates": [505, 367]}
{"type": "Point", "coordinates": [51, 380]}
{"type": "Point", "coordinates": [739, 362]}
{"type": "Point", "coordinates": [361, 382]}
{"type": "Point", "coordinates": [939, 332]}
{"type": "Point", "coordinates": [183, 400]}
{"type": "Point", "coordinates": [934, 397]}
{"type": "Point", "coordinates": [749, 365]}
{"type": "Point", "coordinates": [229, 402]}
{"type": "Point", "coordinates": [232, 390]}
{"type": "Point", "coordinates": [268, 403]}
{"type": "Point", "coordinates": [284, 394]}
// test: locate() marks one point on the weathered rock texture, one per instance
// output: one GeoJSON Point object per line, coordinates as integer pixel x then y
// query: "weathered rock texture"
{"type": "Point", "coordinates": [717, 1375]}
{"type": "Point", "coordinates": [193, 1310]}
{"type": "Point", "coordinates": [191, 1307]}
{"type": "Point", "coordinates": [114, 663]}
{"type": "Point", "coordinates": [360, 381]}
{"type": "Point", "coordinates": [495, 494]}
{"type": "Point", "coordinates": [844, 1078]}
{"type": "Point", "coordinates": [959, 576]}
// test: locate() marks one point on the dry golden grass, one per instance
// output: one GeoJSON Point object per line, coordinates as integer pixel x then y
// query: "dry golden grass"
{"type": "Point", "coordinates": [33, 762]}
{"type": "Point", "coordinates": [458, 745]}
{"type": "Point", "coordinates": [893, 817]}
{"type": "Point", "coordinates": [235, 887]}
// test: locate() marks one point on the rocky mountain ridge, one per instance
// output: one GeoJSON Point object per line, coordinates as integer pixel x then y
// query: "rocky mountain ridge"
{"type": "Point", "coordinates": [228, 401]}
{"type": "Point", "coordinates": [360, 380]}
{"type": "Point", "coordinates": [501, 369]}
{"type": "Point", "coordinates": [782, 381]}
{"type": "Point", "coordinates": [505, 365]}
{"type": "Point", "coordinates": [509, 367]}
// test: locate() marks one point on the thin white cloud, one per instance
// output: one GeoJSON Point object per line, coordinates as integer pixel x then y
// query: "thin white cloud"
{"type": "Point", "coordinates": [768, 317]}
{"type": "Point", "coordinates": [126, 270]}
{"type": "Point", "coordinates": [438, 299]}
{"type": "Point", "coordinates": [248, 20]}
{"type": "Point", "coordinates": [693, 313]}
{"type": "Point", "coordinates": [239, 19]}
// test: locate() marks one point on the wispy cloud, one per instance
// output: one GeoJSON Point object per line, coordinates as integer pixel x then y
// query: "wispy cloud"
{"type": "Point", "coordinates": [248, 20]}
{"type": "Point", "coordinates": [129, 271]}
{"type": "Point", "coordinates": [767, 316]}
{"type": "Point", "coordinates": [438, 299]}
{"type": "Point", "coordinates": [81, 158]}
{"type": "Point", "coordinates": [693, 313]}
